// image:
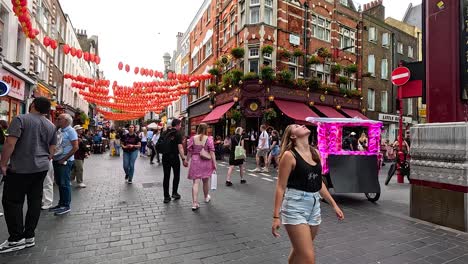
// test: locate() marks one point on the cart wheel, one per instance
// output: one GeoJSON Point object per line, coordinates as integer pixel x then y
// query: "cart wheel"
{"type": "Point", "coordinates": [373, 197]}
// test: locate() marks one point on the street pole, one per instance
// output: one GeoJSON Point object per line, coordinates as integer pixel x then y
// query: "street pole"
{"type": "Point", "coordinates": [400, 136]}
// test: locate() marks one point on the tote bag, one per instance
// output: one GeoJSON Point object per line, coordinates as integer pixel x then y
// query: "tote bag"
{"type": "Point", "coordinates": [214, 181]}
{"type": "Point", "coordinates": [239, 151]}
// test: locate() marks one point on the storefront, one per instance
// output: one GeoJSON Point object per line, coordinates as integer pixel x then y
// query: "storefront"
{"type": "Point", "coordinates": [390, 128]}
{"type": "Point", "coordinates": [42, 90]}
{"type": "Point", "coordinates": [13, 103]}
{"type": "Point", "coordinates": [197, 111]}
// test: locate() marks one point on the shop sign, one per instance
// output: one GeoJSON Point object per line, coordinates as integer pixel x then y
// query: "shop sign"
{"type": "Point", "coordinates": [16, 85]}
{"type": "Point", "coordinates": [4, 88]}
{"type": "Point", "coordinates": [42, 91]}
{"type": "Point", "coordinates": [295, 40]}
{"type": "Point", "coordinates": [394, 118]}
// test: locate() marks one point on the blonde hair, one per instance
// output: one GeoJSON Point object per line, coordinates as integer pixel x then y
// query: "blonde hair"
{"type": "Point", "coordinates": [287, 144]}
{"type": "Point", "coordinates": [239, 130]}
{"type": "Point", "coordinates": [202, 130]}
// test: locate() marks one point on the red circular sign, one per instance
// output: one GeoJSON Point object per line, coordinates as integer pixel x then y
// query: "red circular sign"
{"type": "Point", "coordinates": [400, 76]}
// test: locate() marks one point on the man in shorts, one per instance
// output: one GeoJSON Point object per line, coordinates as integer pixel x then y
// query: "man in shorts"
{"type": "Point", "coordinates": [262, 149]}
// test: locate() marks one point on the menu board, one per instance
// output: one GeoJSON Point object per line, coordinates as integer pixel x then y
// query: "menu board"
{"type": "Point", "coordinates": [464, 49]}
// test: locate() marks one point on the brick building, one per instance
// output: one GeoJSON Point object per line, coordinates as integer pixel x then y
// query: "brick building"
{"type": "Point", "coordinates": [221, 26]}
{"type": "Point", "coordinates": [384, 46]}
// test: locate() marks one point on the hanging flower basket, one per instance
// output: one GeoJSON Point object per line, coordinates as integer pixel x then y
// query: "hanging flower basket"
{"type": "Point", "coordinates": [238, 53]}
{"type": "Point", "coordinates": [270, 114]}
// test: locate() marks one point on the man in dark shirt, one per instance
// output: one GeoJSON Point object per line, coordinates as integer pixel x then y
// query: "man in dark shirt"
{"type": "Point", "coordinates": [80, 155]}
{"type": "Point", "coordinates": [354, 141]}
{"type": "Point", "coordinates": [29, 147]}
{"type": "Point", "coordinates": [171, 160]}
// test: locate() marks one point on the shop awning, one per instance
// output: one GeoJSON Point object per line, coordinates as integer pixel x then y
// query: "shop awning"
{"type": "Point", "coordinates": [217, 113]}
{"type": "Point", "coordinates": [354, 113]}
{"type": "Point", "coordinates": [297, 111]}
{"type": "Point", "coordinates": [329, 111]}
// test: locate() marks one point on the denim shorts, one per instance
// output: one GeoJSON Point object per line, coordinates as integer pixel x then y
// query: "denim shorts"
{"type": "Point", "coordinates": [301, 207]}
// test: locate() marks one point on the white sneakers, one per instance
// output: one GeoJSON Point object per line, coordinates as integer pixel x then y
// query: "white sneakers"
{"type": "Point", "coordinates": [208, 199]}
{"type": "Point", "coordinates": [8, 246]}
{"type": "Point", "coordinates": [81, 185]}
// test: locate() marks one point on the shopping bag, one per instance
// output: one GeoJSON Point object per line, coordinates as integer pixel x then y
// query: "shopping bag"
{"type": "Point", "coordinates": [214, 180]}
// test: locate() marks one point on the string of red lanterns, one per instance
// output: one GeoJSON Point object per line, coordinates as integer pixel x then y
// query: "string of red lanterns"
{"type": "Point", "coordinates": [20, 8]}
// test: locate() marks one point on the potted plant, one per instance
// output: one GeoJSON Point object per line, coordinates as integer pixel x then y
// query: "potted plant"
{"type": "Point", "coordinates": [83, 117]}
{"type": "Point", "coordinates": [301, 83]}
{"type": "Point", "coordinates": [267, 73]}
{"type": "Point", "coordinates": [227, 79]}
{"type": "Point", "coordinates": [335, 68]}
{"type": "Point", "coordinates": [343, 80]}
{"type": "Point", "coordinates": [270, 114]}
{"type": "Point", "coordinates": [286, 54]}
{"type": "Point", "coordinates": [250, 76]}
{"type": "Point", "coordinates": [238, 52]}
{"type": "Point", "coordinates": [323, 53]}
{"type": "Point", "coordinates": [298, 53]}
{"type": "Point", "coordinates": [214, 71]}
{"type": "Point", "coordinates": [237, 75]}
{"type": "Point", "coordinates": [313, 60]}
{"type": "Point", "coordinates": [284, 77]}
{"type": "Point", "coordinates": [212, 87]}
{"type": "Point", "coordinates": [314, 84]}
{"type": "Point", "coordinates": [267, 49]}
{"type": "Point", "coordinates": [352, 68]}
{"type": "Point", "coordinates": [236, 115]}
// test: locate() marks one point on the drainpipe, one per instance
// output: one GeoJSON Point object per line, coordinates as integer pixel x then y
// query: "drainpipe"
{"type": "Point", "coordinates": [306, 24]}
{"type": "Point", "coordinates": [394, 64]}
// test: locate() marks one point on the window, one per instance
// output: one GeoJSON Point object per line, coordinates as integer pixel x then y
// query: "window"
{"type": "Point", "coordinates": [385, 40]}
{"type": "Point", "coordinates": [344, 2]}
{"type": "Point", "coordinates": [225, 34]}
{"type": "Point", "coordinates": [371, 99]}
{"type": "Point", "coordinates": [242, 8]}
{"type": "Point", "coordinates": [195, 61]}
{"type": "Point", "coordinates": [254, 15]}
{"type": "Point", "coordinates": [208, 15]}
{"type": "Point", "coordinates": [410, 52]}
{"type": "Point", "coordinates": [371, 64]}
{"type": "Point", "coordinates": [208, 48]}
{"type": "Point", "coordinates": [322, 73]}
{"type": "Point", "coordinates": [3, 27]}
{"type": "Point", "coordinates": [321, 28]}
{"type": "Point", "coordinates": [268, 16]}
{"type": "Point", "coordinates": [400, 48]}
{"type": "Point", "coordinates": [347, 39]}
{"type": "Point", "coordinates": [253, 60]}
{"type": "Point", "coordinates": [254, 2]}
{"type": "Point", "coordinates": [233, 24]}
{"type": "Point", "coordinates": [20, 45]}
{"type": "Point", "coordinates": [293, 71]}
{"type": "Point", "coordinates": [373, 34]}
{"type": "Point", "coordinates": [384, 69]}
{"type": "Point", "coordinates": [384, 102]}
{"type": "Point", "coordinates": [41, 64]}
{"type": "Point", "coordinates": [253, 52]}
{"type": "Point", "coordinates": [409, 103]}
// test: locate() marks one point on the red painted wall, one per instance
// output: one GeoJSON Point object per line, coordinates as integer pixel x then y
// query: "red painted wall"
{"type": "Point", "coordinates": [442, 62]}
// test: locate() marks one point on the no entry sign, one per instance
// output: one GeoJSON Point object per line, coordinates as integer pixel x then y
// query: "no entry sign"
{"type": "Point", "coordinates": [400, 76]}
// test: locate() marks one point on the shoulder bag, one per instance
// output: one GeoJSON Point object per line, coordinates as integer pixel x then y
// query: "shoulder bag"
{"type": "Point", "coordinates": [203, 153]}
{"type": "Point", "coordinates": [239, 151]}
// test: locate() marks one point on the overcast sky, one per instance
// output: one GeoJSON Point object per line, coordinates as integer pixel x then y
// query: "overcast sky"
{"type": "Point", "coordinates": [139, 32]}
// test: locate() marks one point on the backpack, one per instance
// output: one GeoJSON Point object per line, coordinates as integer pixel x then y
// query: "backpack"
{"type": "Point", "coordinates": [165, 141]}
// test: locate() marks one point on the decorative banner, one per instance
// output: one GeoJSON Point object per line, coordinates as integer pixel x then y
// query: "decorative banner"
{"type": "Point", "coordinates": [20, 8]}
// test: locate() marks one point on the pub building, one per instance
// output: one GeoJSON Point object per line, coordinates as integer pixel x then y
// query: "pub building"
{"type": "Point", "coordinates": [20, 84]}
{"type": "Point", "coordinates": [253, 103]}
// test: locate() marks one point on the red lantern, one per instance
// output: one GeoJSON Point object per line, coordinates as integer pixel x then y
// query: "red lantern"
{"type": "Point", "coordinates": [79, 54]}
{"type": "Point", "coordinates": [120, 65]}
{"type": "Point", "coordinates": [97, 59]}
{"type": "Point", "coordinates": [92, 57]}
{"type": "Point", "coordinates": [86, 56]}
{"type": "Point", "coordinates": [53, 44]}
{"type": "Point", "coordinates": [127, 68]}
{"type": "Point", "coordinates": [73, 51]}
{"type": "Point", "coordinates": [46, 41]}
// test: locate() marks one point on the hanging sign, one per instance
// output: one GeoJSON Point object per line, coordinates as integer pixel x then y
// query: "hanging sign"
{"type": "Point", "coordinates": [4, 88]}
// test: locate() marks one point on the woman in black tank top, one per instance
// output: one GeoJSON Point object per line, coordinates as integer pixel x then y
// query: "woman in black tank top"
{"type": "Point", "coordinates": [298, 191]}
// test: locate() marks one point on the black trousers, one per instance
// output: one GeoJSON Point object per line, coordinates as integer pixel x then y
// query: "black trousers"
{"type": "Point", "coordinates": [16, 187]}
{"type": "Point", "coordinates": [171, 161]}
{"type": "Point", "coordinates": [154, 153]}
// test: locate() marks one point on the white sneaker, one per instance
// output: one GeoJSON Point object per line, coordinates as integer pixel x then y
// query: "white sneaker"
{"type": "Point", "coordinates": [1, 214]}
{"type": "Point", "coordinates": [256, 170]}
{"type": "Point", "coordinates": [208, 199]}
{"type": "Point", "coordinates": [46, 207]}
{"type": "Point", "coordinates": [30, 242]}
{"type": "Point", "coordinates": [8, 246]}
{"type": "Point", "coordinates": [265, 170]}
{"type": "Point", "coordinates": [82, 185]}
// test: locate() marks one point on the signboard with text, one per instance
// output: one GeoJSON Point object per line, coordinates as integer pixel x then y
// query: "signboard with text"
{"type": "Point", "coordinates": [394, 118]}
{"type": "Point", "coordinates": [295, 40]}
{"type": "Point", "coordinates": [16, 84]}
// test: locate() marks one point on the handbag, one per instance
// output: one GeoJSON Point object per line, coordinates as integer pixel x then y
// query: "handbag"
{"type": "Point", "coordinates": [205, 154]}
{"type": "Point", "coordinates": [239, 152]}
{"type": "Point", "coordinates": [214, 181]}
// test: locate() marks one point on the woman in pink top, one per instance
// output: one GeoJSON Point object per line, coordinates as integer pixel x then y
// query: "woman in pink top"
{"type": "Point", "coordinates": [200, 168]}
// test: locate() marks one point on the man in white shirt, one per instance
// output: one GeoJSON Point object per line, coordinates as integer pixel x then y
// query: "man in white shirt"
{"type": "Point", "coordinates": [263, 148]}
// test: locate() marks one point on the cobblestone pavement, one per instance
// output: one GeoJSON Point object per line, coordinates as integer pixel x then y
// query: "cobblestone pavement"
{"type": "Point", "coordinates": [112, 222]}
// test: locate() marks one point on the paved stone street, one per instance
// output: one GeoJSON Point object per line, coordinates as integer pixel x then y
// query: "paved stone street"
{"type": "Point", "coordinates": [112, 222]}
